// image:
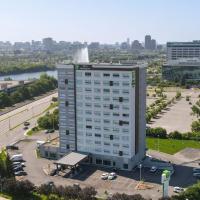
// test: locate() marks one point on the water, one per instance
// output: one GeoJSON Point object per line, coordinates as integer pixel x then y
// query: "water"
{"type": "Point", "coordinates": [81, 56]}
{"type": "Point", "coordinates": [31, 75]}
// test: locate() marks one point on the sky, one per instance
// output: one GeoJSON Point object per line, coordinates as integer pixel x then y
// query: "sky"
{"type": "Point", "coordinates": [106, 21]}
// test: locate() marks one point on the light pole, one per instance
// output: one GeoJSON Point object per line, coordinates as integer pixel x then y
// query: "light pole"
{"type": "Point", "coordinates": [140, 166]}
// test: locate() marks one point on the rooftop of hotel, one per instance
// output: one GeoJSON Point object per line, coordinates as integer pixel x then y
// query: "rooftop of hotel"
{"type": "Point", "coordinates": [105, 65]}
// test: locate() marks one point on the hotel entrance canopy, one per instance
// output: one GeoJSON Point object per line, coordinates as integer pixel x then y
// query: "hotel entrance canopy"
{"type": "Point", "coordinates": [72, 159]}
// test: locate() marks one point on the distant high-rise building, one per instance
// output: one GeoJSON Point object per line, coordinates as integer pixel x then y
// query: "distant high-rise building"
{"type": "Point", "coordinates": [48, 44]}
{"type": "Point", "coordinates": [153, 44]}
{"type": "Point", "coordinates": [136, 45]}
{"type": "Point", "coordinates": [148, 42]}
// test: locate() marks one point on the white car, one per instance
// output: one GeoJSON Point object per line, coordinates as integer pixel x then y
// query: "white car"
{"type": "Point", "coordinates": [112, 176]}
{"type": "Point", "coordinates": [153, 169]}
{"type": "Point", "coordinates": [196, 175]}
{"type": "Point", "coordinates": [197, 170]}
{"type": "Point", "coordinates": [104, 176]}
{"type": "Point", "coordinates": [178, 189]}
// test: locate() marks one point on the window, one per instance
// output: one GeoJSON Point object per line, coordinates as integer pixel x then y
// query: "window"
{"type": "Point", "coordinates": [111, 83]}
{"type": "Point", "coordinates": [106, 83]}
{"type": "Point", "coordinates": [116, 83]}
{"type": "Point", "coordinates": [120, 122]}
{"type": "Point", "coordinates": [67, 132]}
{"type": "Point", "coordinates": [66, 103]}
{"type": "Point", "coordinates": [107, 162]}
{"type": "Point", "coordinates": [96, 82]}
{"type": "Point", "coordinates": [89, 105]}
{"type": "Point", "coordinates": [87, 73]}
{"type": "Point", "coordinates": [116, 114]}
{"type": "Point", "coordinates": [125, 115]}
{"type": "Point", "coordinates": [125, 166]}
{"type": "Point", "coordinates": [88, 98]}
{"type": "Point", "coordinates": [125, 83]}
{"type": "Point", "coordinates": [106, 113]}
{"type": "Point", "coordinates": [97, 135]}
{"type": "Point", "coordinates": [67, 146]}
{"type": "Point", "coordinates": [97, 90]}
{"type": "Point", "coordinates": [125, 122]}
{"type": "Point", "coordinates": [88, 126]}
{"type": "Point", "coordinates": [106, 121]}
{"type": "Point", "coordinates": [88, 82]}
{"type": "Point", "coordinates": [88, 134]}
{"type": "Point", "coordinates": [97, 98]}
{"type": "Point", "coordinates": [120, 153]}
{"type": "Point", "coordinates": [115, 75]}
{"type": "Point", "coordinates": [106, 75]}
{"type": "Point", "coordinates": [66, 81]}
{"type": "Point", "coordinates": [115, 145]}
{"type": "Point", "coordinates": [120, 99]}
{"type": "Point", "coordinates": [125, 92]}
{"type": "Point", "coordinates": [98, 142]}
{"type": "Point", "coordinates": [88, 89]}
{"type": "Point", "coordinates": [125, 145]}
{"type": "Point", "coordinates": [97, 128]}
{"type": "Point", "coordinates": [111, 137]}
{"type": "Point", "coordinates": [88, 112]}
{"type": "Point", "coordinates": [111, 106]}
{"type": "Point", "coordinates": [96, 105]}
{"type": "Point", "coordinates": [125, 75]}
{"type": "Point", "coordinates": [106, 90]}
{"type": "Point", "coordinates": [115, 91]}
{"type": "Point", "coordinates": [106, 98]}
{"type": "Point", "coordinates": [98, 161]}
{"type": "Point", "coordinates": [97, 120]}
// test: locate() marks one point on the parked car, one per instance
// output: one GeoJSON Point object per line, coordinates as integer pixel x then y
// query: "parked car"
{"type": "Point", "coordinates": [26, 123]}
{"type": "Point", "coordinates": [178, 189]}
{"type": "Point", "coordinates": [20, 173]}
{"type": "Point", "coordinates": [112, 176]}
{"type": "Point", "coordinates": [25, 127]}
{"type": "Point", "coordinates": [17, 163]}
{"type": "Point", "coordinates": [17, 168]}
{"type": "Point", "coordinates": [196, 175]}
{"type": "Point", "coordinates": [53, 172]}
{"type": "Point", "coordinates": [153, 169]}
{"type": "Point", "coordinates": [12, 147]}
{"type": "Point", "coordinates": [104, 176]}
{"type": "Point", "coordinates": [49, 131]}
{"type": "Point", "coordinates": [196, 170]}
{"type": "Point", "coordinates": [16, 158]}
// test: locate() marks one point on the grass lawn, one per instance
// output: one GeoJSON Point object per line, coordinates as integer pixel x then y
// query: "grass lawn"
{"type": "Point", "coordinates": [171, 146]}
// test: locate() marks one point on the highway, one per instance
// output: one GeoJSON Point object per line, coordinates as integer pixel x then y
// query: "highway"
{"type": "Point", "coordinates": [11, 124]}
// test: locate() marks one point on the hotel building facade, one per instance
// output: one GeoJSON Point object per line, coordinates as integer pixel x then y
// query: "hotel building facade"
{"type": "Point", "coordinates": [102, 112]}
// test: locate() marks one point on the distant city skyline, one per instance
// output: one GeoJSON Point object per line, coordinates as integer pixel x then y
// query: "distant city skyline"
{"type": "Point", "coordinates": [105, 21]}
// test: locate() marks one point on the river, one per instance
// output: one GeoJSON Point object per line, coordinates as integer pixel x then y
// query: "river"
{"type": "Point", "coordinates": [27, 76]}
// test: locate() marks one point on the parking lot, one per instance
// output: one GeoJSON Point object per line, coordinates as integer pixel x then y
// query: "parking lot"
{"type": "Point", "coordinates": [173, 118]}
{"type": "Point", "coordinates": [126, 182]}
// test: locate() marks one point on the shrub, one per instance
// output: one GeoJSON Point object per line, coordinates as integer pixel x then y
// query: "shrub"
{"type": "Point", "coordinates": [175, 135]}
{"type": "Point", "coordinates": [156, 132]}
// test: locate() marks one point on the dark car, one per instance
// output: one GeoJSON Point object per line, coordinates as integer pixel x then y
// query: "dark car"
{"type": "Point", "coordinates": [20, 173]}
{"type": "Point", "coordinates": [25, 127]}
{"type": "Point", "coordinates": [50, 131]}
{"type": "Point", "coordinates": [26, 123]}
{"type": "Point", "coordinates": [17, 168]}
{"type": "Point", "coordinates": [12, 147]}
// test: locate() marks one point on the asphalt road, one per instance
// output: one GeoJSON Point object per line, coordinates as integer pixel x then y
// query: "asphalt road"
{"type": "Point", "coordinates": [11, 124]}
{"type": "Point", "coordinates": [16, 117]}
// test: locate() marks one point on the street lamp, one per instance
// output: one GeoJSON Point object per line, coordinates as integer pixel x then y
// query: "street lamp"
{"type": "Point", "coordinates": [140, 166]}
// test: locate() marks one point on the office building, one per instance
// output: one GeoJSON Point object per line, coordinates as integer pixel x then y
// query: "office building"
{"type": "Point", "coordinates": [150, 44]}
{"type": "Point", "coordinates": [183, 62]}
{"type": "Point", "coordinates": [102, 112]}
{"type": "Point", "coordinates": [179, 50]}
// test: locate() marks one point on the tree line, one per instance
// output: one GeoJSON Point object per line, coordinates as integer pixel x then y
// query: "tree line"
{"type": "Point", "coordinates": [38, 87]}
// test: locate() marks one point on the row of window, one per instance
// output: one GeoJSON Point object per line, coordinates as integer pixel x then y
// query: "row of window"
{"type": "Point", "coordinates": [104, 83]}
{"type": "Point", "coordinates": [105, 90]}
{"type": "Point", "coordinates": [98, 74]}
{"type": "Point", "coordinates": [109, 163]}
{"type": "Point", "coordinates": [100, 98]}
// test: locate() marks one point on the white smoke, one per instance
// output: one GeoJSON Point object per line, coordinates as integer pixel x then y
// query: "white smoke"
{"type": "Point", "coordinates": [81, 56]}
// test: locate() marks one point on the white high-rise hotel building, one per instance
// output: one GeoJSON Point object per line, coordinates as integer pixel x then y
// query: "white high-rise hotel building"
{"type": "Point", "coordinates": [102, 112]}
